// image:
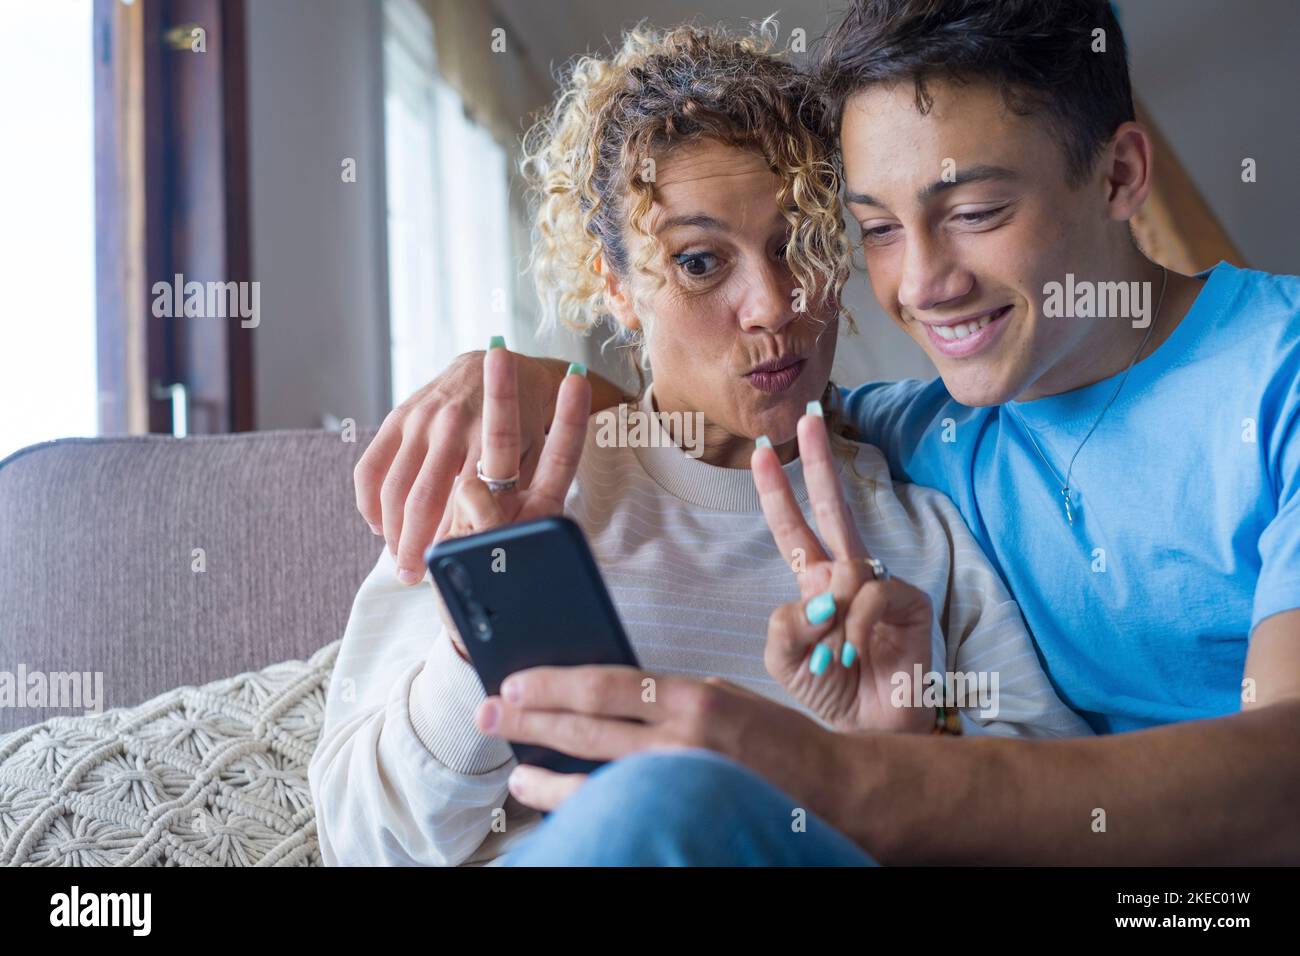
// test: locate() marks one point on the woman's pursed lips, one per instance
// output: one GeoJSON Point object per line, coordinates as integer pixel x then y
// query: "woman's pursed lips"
{"type": "Point", "coordinates": [777, 375]}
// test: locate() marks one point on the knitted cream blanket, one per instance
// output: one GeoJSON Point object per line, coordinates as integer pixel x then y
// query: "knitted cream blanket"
{"type": "Point", "coordinates": [199, 776]}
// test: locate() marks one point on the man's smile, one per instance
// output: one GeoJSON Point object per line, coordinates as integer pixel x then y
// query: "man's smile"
{"type": "Point", "coordinates": [964, 336]}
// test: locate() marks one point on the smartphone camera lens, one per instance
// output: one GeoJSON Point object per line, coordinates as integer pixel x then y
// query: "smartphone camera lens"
{"type": "Point", "coordinates": [478, 622]}
{"type": "Point", "coordinates": [458, 576]}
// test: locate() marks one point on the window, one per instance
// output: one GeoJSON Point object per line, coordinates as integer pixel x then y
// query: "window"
{"type": "Point", "coordinates": [449, 264]}
{"type": "Point", "coordinates": [47, 232]}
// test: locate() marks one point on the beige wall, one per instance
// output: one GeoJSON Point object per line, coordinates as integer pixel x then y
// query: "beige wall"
{"type": "Point", "coordinates": [315, 96]}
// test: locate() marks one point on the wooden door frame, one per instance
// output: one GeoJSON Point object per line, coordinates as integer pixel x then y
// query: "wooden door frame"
{"type": "Point", "coordinates": [171, 187]}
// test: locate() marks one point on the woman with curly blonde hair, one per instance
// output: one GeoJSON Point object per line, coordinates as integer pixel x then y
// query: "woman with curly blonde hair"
{"type": "Point", "coordinates": [685, 193]}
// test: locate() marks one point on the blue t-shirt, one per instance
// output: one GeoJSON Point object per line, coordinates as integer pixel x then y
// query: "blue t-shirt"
{"type": "Point", "coordinates": [1186, 503]}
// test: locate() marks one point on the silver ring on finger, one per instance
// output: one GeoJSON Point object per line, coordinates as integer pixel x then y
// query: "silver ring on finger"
{"type": "Point", "coordinates": [496, 486]}
{"type": "Point", "coordinates": [878, 569]}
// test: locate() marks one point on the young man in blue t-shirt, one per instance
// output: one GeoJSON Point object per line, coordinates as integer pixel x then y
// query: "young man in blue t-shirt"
{"type": "Point", "coordinates": [1183, 534]}
{"type": "Point", "coordinates": [1120, 439]}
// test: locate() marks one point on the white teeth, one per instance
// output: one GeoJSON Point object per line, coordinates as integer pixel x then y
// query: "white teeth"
{"type": "Point", "coordinates": [952, 332]}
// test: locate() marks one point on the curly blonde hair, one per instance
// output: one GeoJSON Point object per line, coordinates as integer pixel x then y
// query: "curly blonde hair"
{"type": "Point", "coordinates": [585, 159]}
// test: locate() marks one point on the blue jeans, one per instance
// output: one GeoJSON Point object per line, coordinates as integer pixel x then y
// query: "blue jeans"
{"type": "Point", "coordinates": [686, 808]}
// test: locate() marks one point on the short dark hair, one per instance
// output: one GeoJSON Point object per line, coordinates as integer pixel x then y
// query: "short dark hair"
{"type": "Point", "coordinates": [1038, 52]}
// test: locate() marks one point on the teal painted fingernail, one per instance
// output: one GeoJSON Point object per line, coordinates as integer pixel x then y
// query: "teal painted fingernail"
{"type": "Point", "coordinates": [848, 655]}
{"type": "Point", "coordinates": [762, 442]}
{"type": "Point", "coordinates": [820, 609]}
{"type": "Point", "coordinates": [821, 657]}
{"type": "Point", "coordinates": [497, 342]}
{"type": "Point", "coordinates": [577, 368]}
{"type": "Point", "coordinates": [815, 408]}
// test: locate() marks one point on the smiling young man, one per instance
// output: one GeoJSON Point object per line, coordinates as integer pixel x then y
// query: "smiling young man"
{"type": "Point", "coordinates": [1132, 471]}
{"type": "Point", "coordinates": [1067, 440]}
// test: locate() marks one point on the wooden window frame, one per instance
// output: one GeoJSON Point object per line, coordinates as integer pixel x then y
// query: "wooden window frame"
{"type": "Point", "coordinates": [171, 188]}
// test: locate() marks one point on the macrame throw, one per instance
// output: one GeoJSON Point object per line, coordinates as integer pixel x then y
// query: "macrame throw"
{"type": "Point", "coordinates": [199, 776]}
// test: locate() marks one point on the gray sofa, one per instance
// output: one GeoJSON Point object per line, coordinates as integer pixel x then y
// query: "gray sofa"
{"type": "Point", "coordinates": [98, 542]}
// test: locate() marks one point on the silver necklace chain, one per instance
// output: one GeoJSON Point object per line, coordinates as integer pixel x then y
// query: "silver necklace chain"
{"type": "Point", "coordinates": [1065, 482]}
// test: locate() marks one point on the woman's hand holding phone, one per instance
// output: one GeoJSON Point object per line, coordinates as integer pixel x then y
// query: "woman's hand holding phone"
{"type": "Point", "coordinates": [837, 649]}
{"type": "Point", "coordinates": [473, 507]}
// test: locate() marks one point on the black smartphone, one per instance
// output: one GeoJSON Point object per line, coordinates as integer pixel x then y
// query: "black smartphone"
{"type": "Point", "coordinates": [530, 595]}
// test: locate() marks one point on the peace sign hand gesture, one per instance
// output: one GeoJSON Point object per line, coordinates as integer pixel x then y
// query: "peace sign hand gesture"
{"type": "Point", "coordinates": [474, 507]}
{"type": "Point", "coordinates": [494, 496]}
{"type": "Point", "coordinates": [836, 650]}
